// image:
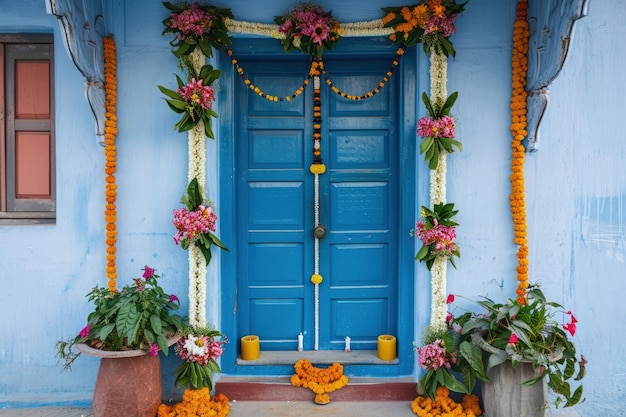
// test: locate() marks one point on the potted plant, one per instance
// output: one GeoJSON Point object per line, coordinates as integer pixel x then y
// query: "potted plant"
{"type": "Point", "coordinates": [524, 347]}
{"type": "Point", "coordinates": [126, 330]}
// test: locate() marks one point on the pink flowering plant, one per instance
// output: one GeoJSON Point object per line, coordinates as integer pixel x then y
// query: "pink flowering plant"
{"type": "Point", "coordinates": [195, 223]}
{"type": "Point", "coordinates": [196, 25]}
{"type": "Point", "coordinates": [437, 130]}
{"type": "Point", "coordinates": [194, 99]}
{"type": "Point", "coordinates": [530, 333]}
{"type": "Point", "coordinates": [449, 358]}
{"type": "Point", "coordinates": [437, 231]}
{"type": "Point", "coordinates": [429, 22]}
{"type": "Point", "coordinates": [199, 349]}
{"type": "Point", "coordinates": [139, 317]}
{"type": "Point", "coordinates": [308, 28]}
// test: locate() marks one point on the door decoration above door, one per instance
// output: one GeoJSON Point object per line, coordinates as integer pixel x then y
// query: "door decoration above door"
{"type": "Point", "coordinates": [312, 30]}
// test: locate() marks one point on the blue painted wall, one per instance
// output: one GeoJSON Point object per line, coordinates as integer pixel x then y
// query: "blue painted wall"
{"type": "Point", "coordinates": [576, 188]}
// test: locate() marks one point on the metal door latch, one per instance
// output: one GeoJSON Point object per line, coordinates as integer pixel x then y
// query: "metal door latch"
{"type": "Point", "coordinates": [319, 231]}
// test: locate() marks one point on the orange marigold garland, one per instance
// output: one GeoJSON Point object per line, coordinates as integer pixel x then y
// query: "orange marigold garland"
{"type": "Point", "coordinates": [197, 402]}
{"type": "Point", "coordinates": [110, 153]}
{"type": "Point", "coordinates": [445, 406]}
{"type": "Point", "coordinates": [518, 129]}
{"type": "Point", "coordinates": [320, 381]}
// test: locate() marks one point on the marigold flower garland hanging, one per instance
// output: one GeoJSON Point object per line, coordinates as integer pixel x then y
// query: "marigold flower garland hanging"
{"type": "Point", "coordinates": [110, 152]}
{"type": "Point", "coordinates": [518, 129]}
{"type": "Point", "coordinates": [320, 381]}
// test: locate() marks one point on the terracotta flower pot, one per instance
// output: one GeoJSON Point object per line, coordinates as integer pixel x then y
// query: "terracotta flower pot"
{"type": "Point", "coordinates": [129, 383]}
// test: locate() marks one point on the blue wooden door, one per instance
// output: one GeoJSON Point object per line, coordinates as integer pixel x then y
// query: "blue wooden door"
{"type": "Point", "coordinates": [358, 205]}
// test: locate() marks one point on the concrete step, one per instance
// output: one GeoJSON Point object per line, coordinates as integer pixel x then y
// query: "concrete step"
{"type": "Point", "coordinates": [280, 389]}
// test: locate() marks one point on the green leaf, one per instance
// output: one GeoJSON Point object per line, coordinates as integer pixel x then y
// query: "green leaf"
{"type": "Point", "coordinates": [105, 331]}
{"type": "Point", "coordinates": [452, 383]}
{"type": "Point", "coordinates": [206, 252]}
{"type": "Point", "coordinates": [126, 320]}
{"type": "Point", "coordinates": [215, 240]}
{"type": "Point", "coordinates": [422, 253]}
{"type": "Point", "coordinates": [428, 105]}
{"type": "Point", "coordinates": [474, 357]}
{"type": "Point", "coordinates": [427, 142]}
{"type": "Point", "coordinates": [434, 161]}
{"type": "Point", "coordinates": [162, 342]}
{"type": "Point", "coordinates": [194, 194]}
{"type": "Point", "coordinates": [445, 110]}
{"type": "Point", "coordinates": [497, 358]}
{"type": "Point", "coordinates": [155, 323]}
{"type": "Point", "coordinates": [170, 93]}
{"type": "Point", "coordinates": [205, 46]}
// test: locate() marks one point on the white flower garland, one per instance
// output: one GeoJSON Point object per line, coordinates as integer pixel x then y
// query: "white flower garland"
{"type": "Point", "coordinates": [438, 96]}
{"type": "Point", "coordinates": [348, 30]}
{"type": "Point", "coordinates": [316, 211]}
{"type": "Point", "coordinates": [197, 169]}
{"type": "Point", "coordinates": [438, 307]}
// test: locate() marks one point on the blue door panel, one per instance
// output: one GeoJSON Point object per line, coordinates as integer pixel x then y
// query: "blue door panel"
{"type": "Point", "coordinates": [267, 318]}
{"type": "Point", "coordinates": [359, 205]}
{"type": "Point", "coordinates": [275, 264]}
{"type": "Point", "coordinates": [275, 149]}
{"type": "Point", "coordinates": [359, 265]}
{"type": "Point", "coordinates": [360, 319]}
{"type": "Point", "coordinates": [358, 149]}
{"type": "Point", "coordinates": [264, 212]}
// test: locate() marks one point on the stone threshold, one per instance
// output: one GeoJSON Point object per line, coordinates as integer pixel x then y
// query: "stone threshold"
{"type": "Point", "coordinates": [264, 388]}
{"type": "Point", "coordinates": [317, 357]}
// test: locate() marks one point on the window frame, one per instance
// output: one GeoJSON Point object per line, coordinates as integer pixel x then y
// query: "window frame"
{"type": "Point", "coordinates": [13, 210]}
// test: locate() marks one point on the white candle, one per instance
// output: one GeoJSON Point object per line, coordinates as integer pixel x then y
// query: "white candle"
{"type": "Point", "coordinates": [300, 342]}
{"type": "Point", "coordinates": [347, 343]}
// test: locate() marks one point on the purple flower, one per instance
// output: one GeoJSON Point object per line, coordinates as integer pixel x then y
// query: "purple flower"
{"type": "Point", "coordinates": [85, 331]}
{"type": "Point", "coordinates": [173, 298]}
{"type": "Point", "coordinates": [148, 272]}
{"type": "Point", "coordinates": [154, 350]}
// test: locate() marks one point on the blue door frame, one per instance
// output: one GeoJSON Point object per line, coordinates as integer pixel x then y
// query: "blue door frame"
{"type": "Point", "coordinates": [404, 321]}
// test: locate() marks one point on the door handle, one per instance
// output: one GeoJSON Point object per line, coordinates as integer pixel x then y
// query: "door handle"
{"type": "Point", "coordinates": [319, 231]}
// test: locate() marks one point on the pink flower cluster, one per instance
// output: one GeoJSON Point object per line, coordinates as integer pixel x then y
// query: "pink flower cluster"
{"type": "Point", "coordinates": [191, 224]}
{"type": "Point", "coordinates": [199, 349]}
{"type": "Point", "coordinates": [193, 21]}
{"type": "Point", "coordinates": [310, 22]}
{"type": "Point", "coordinates": [441, 236]}
{"type": "Point", "coordinates": [197, 93]}
{"type": "Point", "coordinates": [442, 127]}
{"type": "Point", "coordinates": [434, 356]}
{"type": "Point", "coordinates": [442, 24]}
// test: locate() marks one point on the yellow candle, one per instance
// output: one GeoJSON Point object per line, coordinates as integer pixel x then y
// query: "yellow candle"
{"type": "Point", "coordinates": [250, 348]}
{"type": "Point", "coordinates": [386, 347]}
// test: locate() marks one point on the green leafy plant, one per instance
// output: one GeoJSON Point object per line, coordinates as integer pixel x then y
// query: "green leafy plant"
{"type": "Point", "coordinates": [309, 29]}
{"type": "Point", "coordinates": [437, 233]}
{"type": "Point", "coordinates": [528, 332]}
{"type": "Point", "coordinates": [447, 355]}
{"type": "Point", "coordinates": [426, 22]}
{"type": "Point", "coordinates": [196, 222]}
{"type": "Point", "coordinates": [437, 130]}
{"type": "Point", "coordinates": [199, 348]}
{"type": "Point", "coordinates": [195, 25]}
{"type": "Point", "coordinates": [194, 99]}
{"type": "Point", "coordinates": [139, 317]}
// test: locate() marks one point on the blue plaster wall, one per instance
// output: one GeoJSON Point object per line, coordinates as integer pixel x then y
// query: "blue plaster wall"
{"type": "Point", "coordinates": [575, 188]}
